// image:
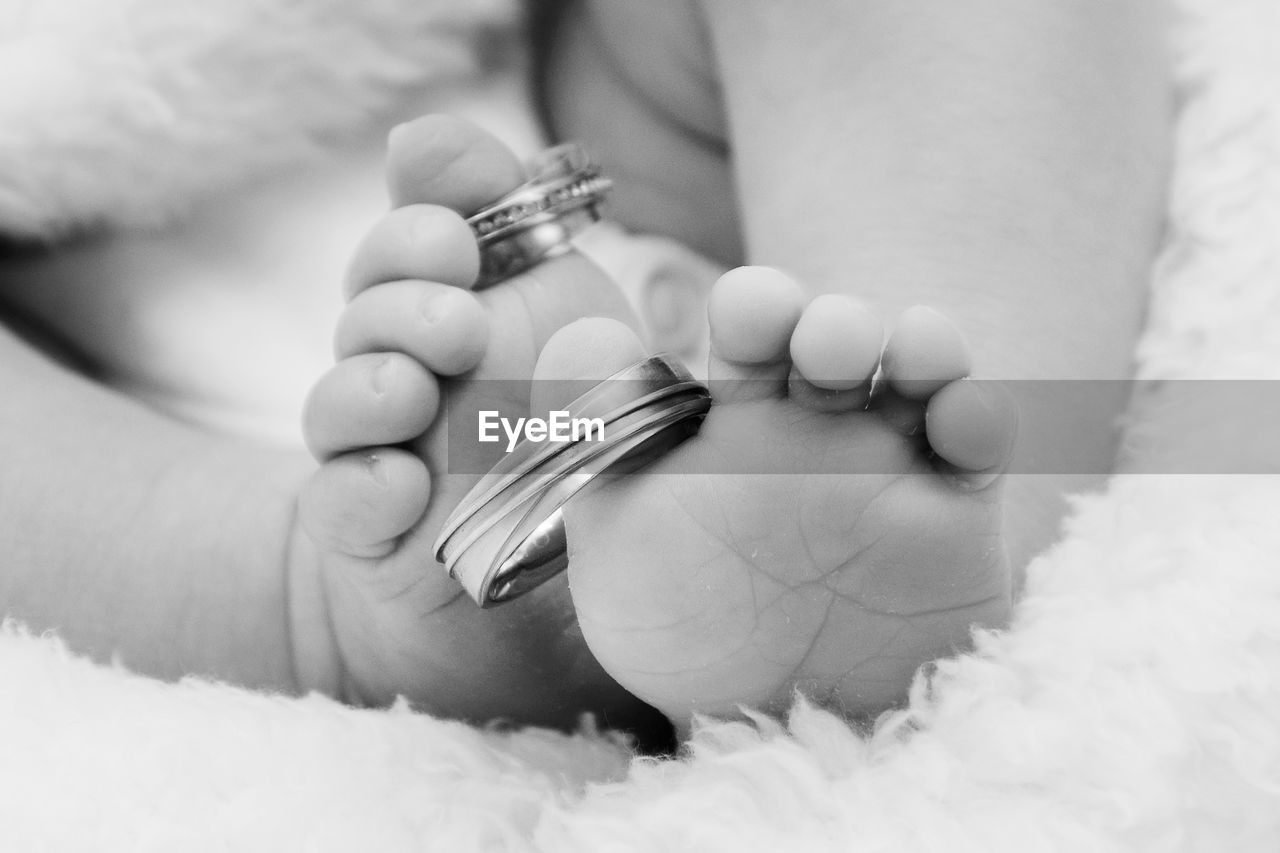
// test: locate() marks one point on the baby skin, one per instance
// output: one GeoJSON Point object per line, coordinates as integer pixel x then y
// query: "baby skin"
{"type": "Point", "coordinates": [825, 531]}
{"type": "Point", "coordinates": [372, 614]}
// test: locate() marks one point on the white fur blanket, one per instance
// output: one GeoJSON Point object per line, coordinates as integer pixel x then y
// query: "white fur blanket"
{"type": "Point", "coordinates": [1133, 705]}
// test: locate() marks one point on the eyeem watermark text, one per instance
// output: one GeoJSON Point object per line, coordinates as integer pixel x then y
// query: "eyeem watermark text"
{"type": "Point", "coordinates": [558, 427]}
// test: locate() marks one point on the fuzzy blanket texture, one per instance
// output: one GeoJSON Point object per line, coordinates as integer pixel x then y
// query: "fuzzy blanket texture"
{"type": "Point", "coordinates": [1134, 704]}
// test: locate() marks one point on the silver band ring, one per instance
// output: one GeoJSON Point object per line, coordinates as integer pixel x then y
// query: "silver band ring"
{"type": "Point", "coordinates": [641, 385]}
{"type": "Point", "coordinates": [507, 535]}
{"type": "Point", "coordinates": [477, 519]}
{"type": "Point", "coordinates": [539, 219]}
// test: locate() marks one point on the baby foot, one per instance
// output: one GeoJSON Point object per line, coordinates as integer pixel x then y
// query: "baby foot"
{"type": "Point", "coordinates": [374, 615]}
{"type": "Point", "coordinates": [800, 540]}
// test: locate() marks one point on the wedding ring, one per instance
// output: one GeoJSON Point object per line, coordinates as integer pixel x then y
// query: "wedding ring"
{"type": "Point", "coordinates": [631, 431]}
{"type": "Point", "coordinates": [538, 219]}
{"type": "Point", "coordinates": [636, 386]}
{"type": "Point", "coordinates": [537, 549]}
{"type": "Point", "coordinates": [507, 535]}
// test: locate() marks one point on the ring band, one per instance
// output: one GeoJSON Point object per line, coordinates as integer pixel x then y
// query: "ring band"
{"type": "Point", "coordinates": [642, 384]}
{"type": "Point", "coordinates": [538, 219]}
{"type": "Point", "coordinates": [507, 535]}
{"type": "Point", "coordinates": [537, 549]}
{"type": "Point", "coordinates": [632, 430]}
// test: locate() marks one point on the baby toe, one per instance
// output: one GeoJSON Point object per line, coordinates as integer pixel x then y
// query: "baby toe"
{"type": "Point", "coordinates": [972, 426]}
{"type": "Point", "coordinates": [448, 161]}
{"type": "Point", "coordinates": [579, 355]}
{"type": "Point", "coordinates": [444, 328]}
{"type": "Point", "coordinates": [753, 312]}
{"type": "Point", "coordinates": [359, 504]}
{"type": "Point", "coordinates": [421, 241]}
{"type": "Point", "coordinates": [369, 400]}
{"type": "Point", "coordinates": [835, 350]}
{"type": "Point", "coordinates": [924, 353]}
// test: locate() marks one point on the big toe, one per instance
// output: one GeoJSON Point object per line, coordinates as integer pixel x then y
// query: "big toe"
{"type": "Point", "coordinates": [753, 312]}
{"type": "Point", "coordinates": [580, 355]}
{"type": "Point", "coordinates": [451, 162]}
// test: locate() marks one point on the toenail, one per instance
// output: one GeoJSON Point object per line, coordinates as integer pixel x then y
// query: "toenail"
{"type": "Point", "coordinates": [992, 397]}
{"type": "Point", "coordinates": [981, 395]}
{"type": "Point", "coordinates": [380, 376]}
{"type": "Point", "coordinates": [377, 470]}
{"type": "Point", "coordinates": [433, 309]}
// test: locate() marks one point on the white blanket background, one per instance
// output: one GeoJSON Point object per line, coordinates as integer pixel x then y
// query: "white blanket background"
{"type": "Point", "coordinates": [1133, 705]}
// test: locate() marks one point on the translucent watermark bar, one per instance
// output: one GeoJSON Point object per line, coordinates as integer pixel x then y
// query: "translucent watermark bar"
{"type": "Point", "coordinates": [1067, 427]}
